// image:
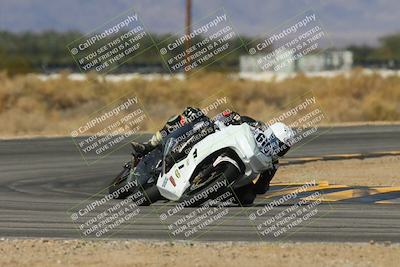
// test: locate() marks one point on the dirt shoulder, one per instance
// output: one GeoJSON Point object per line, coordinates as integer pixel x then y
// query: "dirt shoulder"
{"type": "Point", "coordinates": [44, 253]}
{"type": "Point", "coordinates": [383, 171]}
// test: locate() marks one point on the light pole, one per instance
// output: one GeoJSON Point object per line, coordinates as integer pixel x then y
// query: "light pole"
{"type": "Point", "coordinates": [188, 24]}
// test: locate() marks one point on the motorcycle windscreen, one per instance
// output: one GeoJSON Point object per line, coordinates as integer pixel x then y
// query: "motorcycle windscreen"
{"type": "Point", "coordinates": [148, 168]}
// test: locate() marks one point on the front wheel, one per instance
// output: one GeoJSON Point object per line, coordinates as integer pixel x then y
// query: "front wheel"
{"type": "Point", "coordinates": [217, 184]}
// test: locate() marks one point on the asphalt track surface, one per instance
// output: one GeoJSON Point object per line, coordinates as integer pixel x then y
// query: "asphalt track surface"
{"type": "Point", "coordinates": [43, 179]}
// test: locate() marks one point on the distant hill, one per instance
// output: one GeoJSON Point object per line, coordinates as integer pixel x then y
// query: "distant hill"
{"type": "Point", "coordinates": [349, 22]}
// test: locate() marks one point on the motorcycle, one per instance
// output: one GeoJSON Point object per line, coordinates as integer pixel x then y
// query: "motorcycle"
{"type": "Point", "coordinates": [227, 159]}
{"type": "Point", "coordinates": [195, 158]}
{"type": "Point", "coordinates": [141, 172]}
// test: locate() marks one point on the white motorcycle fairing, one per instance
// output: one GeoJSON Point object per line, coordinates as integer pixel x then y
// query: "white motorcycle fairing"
{"type": "Point", "coordinates": [239, 138]}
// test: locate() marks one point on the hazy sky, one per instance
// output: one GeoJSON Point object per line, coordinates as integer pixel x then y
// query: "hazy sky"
{"type": "Point", "coordinates": [347, 21]}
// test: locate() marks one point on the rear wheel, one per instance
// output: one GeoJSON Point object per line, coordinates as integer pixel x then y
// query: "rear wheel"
{"type": "Point", "coordinates": [119, 182]}
{"type": "Point", "coordinates": [150, 192]}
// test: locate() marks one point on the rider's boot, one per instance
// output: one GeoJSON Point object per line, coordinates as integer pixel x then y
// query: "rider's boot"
{"type": "Point", "coordinates": [262, 184]}
{"type": "Point", "coordinates": [142, 149]}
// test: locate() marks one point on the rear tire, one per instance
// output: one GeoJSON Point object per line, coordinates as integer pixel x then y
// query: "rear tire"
{"type": "Point", "coordinates": [151, 193]}
{"type": "Point", "coordinates": [119, 182]}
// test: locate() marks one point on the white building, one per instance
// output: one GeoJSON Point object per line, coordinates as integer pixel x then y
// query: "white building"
{"type": "Point", "coordinates": [327, 60]}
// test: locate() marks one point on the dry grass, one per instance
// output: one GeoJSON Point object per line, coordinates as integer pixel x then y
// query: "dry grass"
{"type": "Point", "coordinates": [120, 253]}
{"type": "Point", "coordinates": [31, 106]}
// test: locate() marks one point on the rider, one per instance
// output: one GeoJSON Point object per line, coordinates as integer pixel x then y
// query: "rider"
{"type": "Point", "coordinates": [275, 140]}
{"type": "Point", "coordinates": [188, 115]}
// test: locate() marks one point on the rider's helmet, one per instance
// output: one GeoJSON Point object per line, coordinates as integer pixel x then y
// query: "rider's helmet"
{"type": "Point", "coordinates": [285, 135]}
{"type": "Point", "coordinates": [191, 114]}
{"type": "Point", "coordinates": [276, 139]}
{"type": "Point", "coordinates": [188, 115]}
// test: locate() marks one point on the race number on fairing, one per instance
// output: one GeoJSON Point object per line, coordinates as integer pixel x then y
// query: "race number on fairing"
{"type": "Point", "coordinates": [267, 145]}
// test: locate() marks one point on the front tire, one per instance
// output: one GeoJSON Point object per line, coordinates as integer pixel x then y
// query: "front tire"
{"type": "Point", "coordinates": [227, 172]}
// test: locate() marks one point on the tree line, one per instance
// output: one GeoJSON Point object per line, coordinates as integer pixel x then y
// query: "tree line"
{"type": "Point", "coordinates": [47, 51]}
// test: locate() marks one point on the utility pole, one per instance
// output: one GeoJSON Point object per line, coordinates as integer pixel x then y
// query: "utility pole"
{"type": "Point", "coordinates": [188, 24]}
